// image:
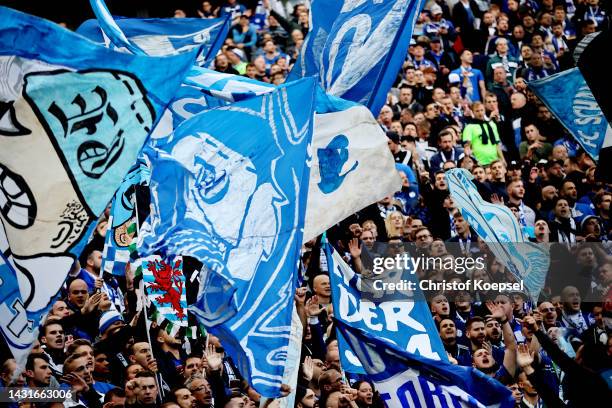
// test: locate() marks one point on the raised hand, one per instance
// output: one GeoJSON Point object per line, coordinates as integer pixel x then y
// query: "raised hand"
{"type": "Point", "coordinates": [214, 359]}
{"type": "Point", "coordinates": [524, 356]}
{"type": "Point", "coordinates": [531, 323]}
{"type": "Point", "coordinates": [91, 303]}
{"type": "Point", "coordinates": [495, 199]}
{"type": "Point", "coordinates": [487, 346]}
{"type": "Point", "coordinates": [354, 248]}
{"type": "Point", "coordinates": [300, 296]}
{"type": "Point", "coordinates": [307, 368]}
{"type": "Point", "coordinates": [152, 365]}
{"type": "Point", "coordinates": [285, 390]}
{"type": "Point", "coordinates": [312, 306]}
{"type": "Point", "coordinates": [497, 311]}
{"type": "Point", "coordinates": [76, 382]}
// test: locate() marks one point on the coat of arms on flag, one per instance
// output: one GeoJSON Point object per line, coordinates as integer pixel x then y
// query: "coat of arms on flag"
{"type": "Point", "coordinates": [166, 289]}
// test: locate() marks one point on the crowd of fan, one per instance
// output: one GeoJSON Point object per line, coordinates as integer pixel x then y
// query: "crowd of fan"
{"type": "Point", "coordinates": [460, 100]}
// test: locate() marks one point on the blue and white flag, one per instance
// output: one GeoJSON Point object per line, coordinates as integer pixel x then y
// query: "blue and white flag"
{"type": "Point", "coordinates": [73, 116]}
{"type": "Point", "coordinates": [351, 162]}
{"type": "Point", "coordinates": [230, 190]}
{"type": "Point", "coordinates": [119, 242]}
{"type": "Point", "coordinates": [404, 320]}
{"type": "Point", "coordinates": [404, 379]}
{"type": "Point", "coordinates": [357, 47]}
{"type": "Point", "coordinates": [570, 99]}
{"type": "Point", "coordinates": [157, 36]}
{"type": "Point", "coordinates": [501, 231]}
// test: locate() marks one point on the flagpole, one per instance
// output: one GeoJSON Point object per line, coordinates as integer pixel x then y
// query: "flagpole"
{"type": "Point", "coordinates": [158, 376]}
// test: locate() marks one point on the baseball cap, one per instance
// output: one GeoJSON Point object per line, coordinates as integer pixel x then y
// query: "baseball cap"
{"type": "Point", "coordinates": [435, 9]}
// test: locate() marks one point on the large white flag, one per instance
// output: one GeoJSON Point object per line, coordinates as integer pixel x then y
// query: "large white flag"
{"type": "Point", "coordinates": [352, 168]}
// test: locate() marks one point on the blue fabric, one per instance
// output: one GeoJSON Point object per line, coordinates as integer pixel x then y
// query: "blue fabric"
{"type": "Point", "coordinates": [76, 115]}
{"type": "Point", "coordinates": [379, 34]}
{"type": "Point", "coordinates": [498, 227]}
{"type": "Point", "coordinates": [407, 380]}
{"type": "Point", "coordinates": [475, 75]}
{"type": "Point", "coordinates": [249, 39]}
{"type": "Point", "coordinates": [403, 320]}
{"type": "Point", "coordinates": [157, 36]}
{"type": "Point", "coordinates": [569, 98]}
{"type": "Point", "coordinates": [237, 204]}
{"type": "Point", "coordinates": [116, 253]}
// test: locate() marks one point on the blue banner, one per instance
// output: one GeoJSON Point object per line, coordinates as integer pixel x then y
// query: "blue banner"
{"type": "Point", "coordinates": [237, 204]}
{"type": "Point", "coordinates": [404, 379]}
{"type": "Point", "coordinates": [346, 136]}
{"type": "Point", "coordinates": [157, 36]}
{"type": "Point", "coordinates": [121, 233]}
{"type": "Point", "coordinates": [405, 320]}
{"type": "Point", "coordinates": [357, 47]}
{"type": "Point", "coordinates": [570, 99]}
{"type": "Point", "coordinates": [497, 226]}
{"type": "Point", "coordinates": [73, 116]}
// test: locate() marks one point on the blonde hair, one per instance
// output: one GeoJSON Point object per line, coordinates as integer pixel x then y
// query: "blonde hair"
{"type": "Point", "coordinates": [392, 230]}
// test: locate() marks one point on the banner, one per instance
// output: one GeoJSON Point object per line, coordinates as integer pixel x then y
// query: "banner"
{"type": "Point", "coordinates": [404, 379]}
{"type": "Point", "coordinates": [120, 240]}
{"type": "Point", "coordinates": [403, 320]}
{"type": "Point", "coordinates": [73, 117]}
{"type": "Point", "coordinates": [156, 36]}
{"type": "Point", "coordinates": [165, 286]}
{"type": "Point", "coordinates": [570, 99]}
{"type": "Point", "coordinates": [351, 162]}
{"type": "Point", "coordinates": [357, 47]}
{"type": "Point", "coordinates": [237, 204]}
{"type": "Point", "coordinates": [497, 226]}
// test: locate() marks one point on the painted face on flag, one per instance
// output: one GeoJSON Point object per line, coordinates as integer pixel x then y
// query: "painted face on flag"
{"type": "Point", "coordinates": [63, 131]}
{"type": "Point", "coordinates": [83, 115]}
{"type": "Point", "coordinates": [224, 179]}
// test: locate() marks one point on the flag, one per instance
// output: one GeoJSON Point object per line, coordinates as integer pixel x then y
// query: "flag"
{"type": "Point", "coordinates": [404, 320]}
{"type": "Point", "coordinates": [165, 286]}
{"type": "Point", "coordinates": [597, 76]}
{"type": "Point", "coordinates": [230, 190]}
{"type": "Point", "coordinates": [119, 243]}
{"type": "Point", "coordinates": [67, 107]}
{"type": "Point", "coordinates": [570, 99]}
{"type": "Point", "coordinates": [156, 36]}
{"type": "Point", "coordinates": [501, 231]}
{"type": "Point", "coordinates": [352, 166]}
{"type": "Point", "coordinates": [404, 379]}
{"type": "Point", "coordinates": [351, 162]}
{"type": "Point", "coordinates": [357, 47]}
